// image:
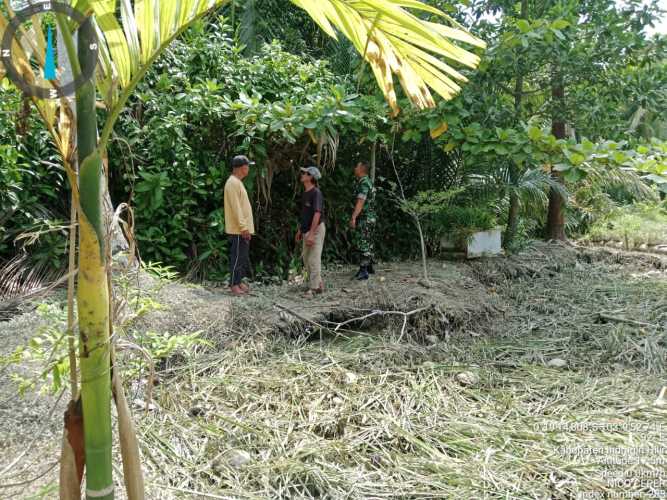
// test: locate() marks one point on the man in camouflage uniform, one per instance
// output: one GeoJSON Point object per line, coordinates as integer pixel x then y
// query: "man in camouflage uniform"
{"type": "Point", "coordinates": [363, 220]}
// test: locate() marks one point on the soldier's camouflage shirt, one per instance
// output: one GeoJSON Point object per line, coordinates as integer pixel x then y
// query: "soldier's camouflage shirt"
{"type": "Point", "coordinates": [365, 190]}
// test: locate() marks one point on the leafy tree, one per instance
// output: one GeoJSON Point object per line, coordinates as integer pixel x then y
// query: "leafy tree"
{"type": "Point", "coordinates": [277, 117]}
{"type": "Point", "coordinates": [557, 63]}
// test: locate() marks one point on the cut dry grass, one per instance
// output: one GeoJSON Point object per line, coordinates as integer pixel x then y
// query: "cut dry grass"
{"type": "Point", "coordinates": [492, 392]}
{"type": "Point", "coordinates": [469, 416]}
{"type": "Point", "coordinates": [361, 418]}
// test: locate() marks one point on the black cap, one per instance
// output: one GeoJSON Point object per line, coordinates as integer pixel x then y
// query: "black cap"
{"type": "Point", "coordinates": [240, 160]}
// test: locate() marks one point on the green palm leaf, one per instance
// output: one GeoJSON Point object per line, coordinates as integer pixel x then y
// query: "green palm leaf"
{"type": "Point", "coordinates": [118, 63]}
{"type": "Point", "coordinates": [392, 40]}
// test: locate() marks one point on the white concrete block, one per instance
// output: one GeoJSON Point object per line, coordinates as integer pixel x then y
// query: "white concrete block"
{"type": "Point", "coordinates": [484, 243]}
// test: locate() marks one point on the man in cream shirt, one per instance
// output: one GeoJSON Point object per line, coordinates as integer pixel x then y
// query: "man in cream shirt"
{"type": "Point", "coordinates": [239, 224]}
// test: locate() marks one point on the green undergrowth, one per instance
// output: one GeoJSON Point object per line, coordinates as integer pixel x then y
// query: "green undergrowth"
{"type": "Point", "coordinates": [634, 225]}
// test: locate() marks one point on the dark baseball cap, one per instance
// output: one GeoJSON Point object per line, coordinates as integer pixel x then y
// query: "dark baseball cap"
{"type": "Point", "coordinates": [240, 160]}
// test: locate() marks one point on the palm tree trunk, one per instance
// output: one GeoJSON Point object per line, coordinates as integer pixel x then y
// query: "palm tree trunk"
{"type": "Point", "coordinates": [556, 214]}
{"type": "Point", "coordinates": [512, 220]}
{"type": "Point", "coordinates": [92, 294]}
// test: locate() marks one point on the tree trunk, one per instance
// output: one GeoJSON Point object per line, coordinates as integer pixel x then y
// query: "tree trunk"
{"type": "Point", "coordinates": [556, 214]}
{"type": "Point", "coordinates": [72, 459]}
{"type": "Point", "coordinates": [92, 293]}
{"type": "Point", "coordinates": [374, 149]}
{"type": "Point", "coordinates": [422, 247]}
{"type": "Point", "coordinates": [23, 117]}
{"type": "Point", "coordinates": [512, 220]}
{"type": "Point", "coordinates": [513, 214]}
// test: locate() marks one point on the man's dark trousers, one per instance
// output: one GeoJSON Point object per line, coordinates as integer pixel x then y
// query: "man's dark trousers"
{"type": "Point", "coordinates": [239, 259]}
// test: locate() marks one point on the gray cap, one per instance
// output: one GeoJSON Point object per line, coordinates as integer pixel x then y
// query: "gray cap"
{"type": "Point", "coordinates": [240, 160]}
{"type": "Point", "coordinates": [314, 171]}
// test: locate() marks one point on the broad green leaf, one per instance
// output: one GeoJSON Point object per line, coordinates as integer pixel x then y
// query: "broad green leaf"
{"type": "Point", "coordinates": [620, 157]}
{"type": "Point", "coordinates": [534, 133]}
{"type": "Point", "coordinates": [560, 24]}
{"type": "Point", "coordinates": [576, 158]}
{"type": "Point", "coordinates": [523, 25]}
{"type": "Point", "coordinates": [574, 175]}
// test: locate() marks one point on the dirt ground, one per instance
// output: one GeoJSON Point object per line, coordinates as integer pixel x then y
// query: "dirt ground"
{"type": "Point", "coordinates": [393, 388]}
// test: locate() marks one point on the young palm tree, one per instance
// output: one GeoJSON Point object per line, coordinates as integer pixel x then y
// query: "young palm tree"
{"type": "Point", "coordinates": [390, 38]}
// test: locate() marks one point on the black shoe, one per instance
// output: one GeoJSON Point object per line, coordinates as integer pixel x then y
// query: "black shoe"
{"type": "Point", "coordinates": [363, 273]}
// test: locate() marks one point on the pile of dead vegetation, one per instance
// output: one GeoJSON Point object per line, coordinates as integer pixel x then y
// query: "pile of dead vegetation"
{"type": "Point", "coordinates": [452, 299]}
{"type": "Point", "coordinates": [544, 365]}
{"type": "Point", "coordinates": [367, 417]}
{"type": "Point", "coordinates": [491, 379]}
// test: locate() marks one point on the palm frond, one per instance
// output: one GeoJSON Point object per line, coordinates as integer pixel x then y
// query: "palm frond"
{"type": "Point", "coordinates": [534, 186]}
{"type": "Point", "coordinates": [396, 42]}
{"type": "Point", "coordinates": [129, 47]}
{"type": "Point", "coordinates": [132, 34]}
{"type": "Point", "coordinates": [144, 30]}
{"type": "Point", "coordinates": [20, 280]}
{"type": "Point", "coordinates": [604, 177]}
{"type": "Point", "coordinates": [392, 40]}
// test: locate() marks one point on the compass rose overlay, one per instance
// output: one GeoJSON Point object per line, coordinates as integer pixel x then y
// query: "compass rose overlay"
{"type": "Point", "coordinates": [57, 89]}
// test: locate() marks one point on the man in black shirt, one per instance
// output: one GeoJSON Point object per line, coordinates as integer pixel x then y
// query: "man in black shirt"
{"type": "Point", "coordinates": [312, 229]}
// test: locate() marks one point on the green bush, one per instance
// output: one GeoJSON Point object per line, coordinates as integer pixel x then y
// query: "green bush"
{"type": "Point", "coordinates": [34, 200]}
{"type": "Point", "coordinates": [459, 223]}
{"type": "Point", "coordinates": [173, 159]}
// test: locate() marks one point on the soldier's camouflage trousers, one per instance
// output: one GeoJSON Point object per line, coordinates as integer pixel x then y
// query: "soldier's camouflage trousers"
{"type": "Point", "coordinates": [362, 240]}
